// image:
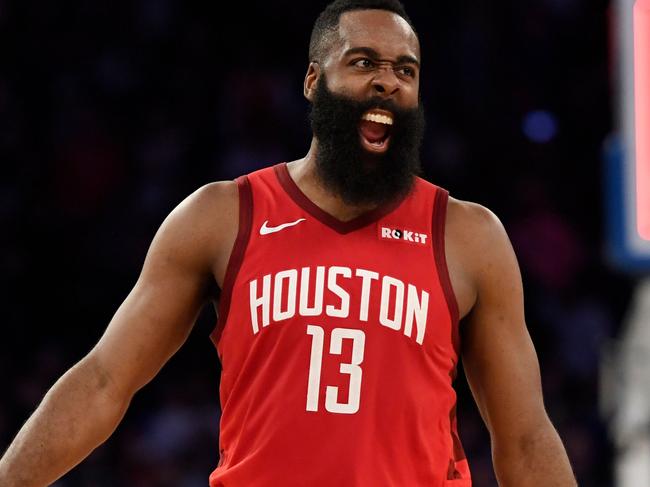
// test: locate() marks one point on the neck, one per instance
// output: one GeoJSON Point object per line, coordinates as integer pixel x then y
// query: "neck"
{"type": "Point", "coordinates": [305, 174]}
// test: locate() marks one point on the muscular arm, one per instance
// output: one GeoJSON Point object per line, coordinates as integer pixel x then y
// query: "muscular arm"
{"type": "Point", "coordinates": [500, 361]}
{"type": "Point", "coordinates": [87, 403]}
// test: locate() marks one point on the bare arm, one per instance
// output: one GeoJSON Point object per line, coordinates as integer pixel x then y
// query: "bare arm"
{"type": "Point", "coordinates": [501, 364]}
{"type": "Point", "coordinates": [87, 403]}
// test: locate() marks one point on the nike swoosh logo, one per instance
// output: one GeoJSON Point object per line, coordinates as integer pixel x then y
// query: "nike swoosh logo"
{"type": "Point", "coordinates": [265, 229]}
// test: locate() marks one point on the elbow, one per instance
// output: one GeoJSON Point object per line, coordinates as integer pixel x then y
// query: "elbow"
{"type": "Point", "coordinates": [533, 453]}
{"type": "Point", "coordinates": [524, 440]}
{"type": "Point", "coordinates": [102, 385]}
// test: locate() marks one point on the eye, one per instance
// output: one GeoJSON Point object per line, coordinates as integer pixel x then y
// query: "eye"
{"type": "Point", "coordinates": [406, 71]}
{"type": "Point", "coordinates": [364, 63]}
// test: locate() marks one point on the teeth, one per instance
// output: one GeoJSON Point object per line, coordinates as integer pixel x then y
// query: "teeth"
{"type": "Point", "coordinates": [377, 118]}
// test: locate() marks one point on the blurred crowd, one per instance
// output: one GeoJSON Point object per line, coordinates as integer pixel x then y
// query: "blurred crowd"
{"type": "Point", "coordinates": [112, 112]}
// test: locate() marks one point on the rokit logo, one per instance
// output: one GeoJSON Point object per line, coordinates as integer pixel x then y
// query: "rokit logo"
{"type": "Point", "coordinates": [409, 236]}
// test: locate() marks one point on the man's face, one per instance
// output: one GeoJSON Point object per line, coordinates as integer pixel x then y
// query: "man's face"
{"type": "Point", "coordinates": [365, 113]}
{"type": "Point", "coordinates": [377, 53]}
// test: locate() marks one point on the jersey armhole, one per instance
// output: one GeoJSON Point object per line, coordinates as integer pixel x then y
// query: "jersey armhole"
{"type": "Point", "coordinates": [236, 255]}
{"type": "Point", "coordinates": [438, 230]}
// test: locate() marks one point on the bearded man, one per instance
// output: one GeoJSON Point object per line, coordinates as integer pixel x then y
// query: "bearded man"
{"type": "Point", "coordinates": [343, 278]}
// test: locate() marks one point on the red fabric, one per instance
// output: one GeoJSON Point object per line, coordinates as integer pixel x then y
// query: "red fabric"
{"type": "Point", "coordinates": [391, 422]}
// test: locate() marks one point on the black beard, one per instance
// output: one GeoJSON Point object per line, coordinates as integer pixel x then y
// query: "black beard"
{"type": "Point", "coordinates": [345, 167]}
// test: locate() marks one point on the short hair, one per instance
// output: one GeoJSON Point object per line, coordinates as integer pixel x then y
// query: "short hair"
{"type": "Point", "coordinates": [326, 26]}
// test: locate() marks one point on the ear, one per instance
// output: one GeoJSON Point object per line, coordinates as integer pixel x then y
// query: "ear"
{"type": "Point", "coordinates": [311, 78]}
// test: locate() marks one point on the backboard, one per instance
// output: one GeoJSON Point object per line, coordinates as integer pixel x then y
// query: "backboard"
{"type": "Point", "coordinates": [627, 152]}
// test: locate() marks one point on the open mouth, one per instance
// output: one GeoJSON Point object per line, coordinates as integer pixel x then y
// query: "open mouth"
{"type": "Point", "coordinates": [374, 130]}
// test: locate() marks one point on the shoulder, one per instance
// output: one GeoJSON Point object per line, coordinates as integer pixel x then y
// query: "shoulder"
{"type": "Point", "coordinates": [203, 227]}
{"type": "Point", "coordinates": [464, 218]}
{"type": "Point", "coordinates": [472, 219]}
{"type": "Point", "coordinates": [477, 240]}
{"type": "Point", "coordinates": [210, 196]}
{"type": "Point", "coordinates": [214, 205]}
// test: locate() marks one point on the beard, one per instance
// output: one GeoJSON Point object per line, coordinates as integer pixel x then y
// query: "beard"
{"type": "Point", "coordinates": [347, 169]}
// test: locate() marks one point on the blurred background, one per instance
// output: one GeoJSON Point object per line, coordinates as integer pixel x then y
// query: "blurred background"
{"type": "Point", "coordinates": [111, 112]}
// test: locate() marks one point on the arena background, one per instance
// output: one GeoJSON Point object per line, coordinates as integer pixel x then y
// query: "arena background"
{"type": "Point", "coordinates": [111, 112]}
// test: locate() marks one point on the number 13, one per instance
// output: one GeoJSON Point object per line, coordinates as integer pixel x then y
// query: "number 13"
{"type": "Point", "coordinates": [332, 404]}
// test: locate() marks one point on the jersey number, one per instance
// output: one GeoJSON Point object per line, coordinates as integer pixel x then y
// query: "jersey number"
{"type": "Point", "coordinates": [332, 403]}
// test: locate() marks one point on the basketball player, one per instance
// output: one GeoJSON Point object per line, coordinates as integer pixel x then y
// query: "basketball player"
{"type": "Point", "coordinates": [343, 277]}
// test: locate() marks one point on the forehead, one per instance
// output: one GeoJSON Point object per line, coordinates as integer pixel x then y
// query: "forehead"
{"type": "Point", "coordinates": [386, 32]}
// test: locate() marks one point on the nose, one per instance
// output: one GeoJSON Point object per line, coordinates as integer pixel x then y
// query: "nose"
{"type": "Point", "coordinates": [385, 83]}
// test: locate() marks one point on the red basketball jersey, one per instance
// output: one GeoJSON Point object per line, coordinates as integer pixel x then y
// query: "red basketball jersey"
{"type": "Point", "coordinates": [339, 344]}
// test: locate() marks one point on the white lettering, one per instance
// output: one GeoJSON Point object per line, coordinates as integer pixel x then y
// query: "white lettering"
{"type": "Point", "coordinates": [278, 293]}
{"type": "Point", "coordinates": [416, 309]}
{"type": "Point", "coordinates": [332, 403]}
{"type": "Point", "coordinates": [367, 277]}
{"type": "Point", "coordinates": [344, 310]}
{"type": "Point", "coordinates": [281, 296]}
{"type": "Point", "coordinates": [263, 301]}
{"type": "Point", "coordinates": [396, 321]}
{"type": "Point", "coordinates": [317, 309]}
